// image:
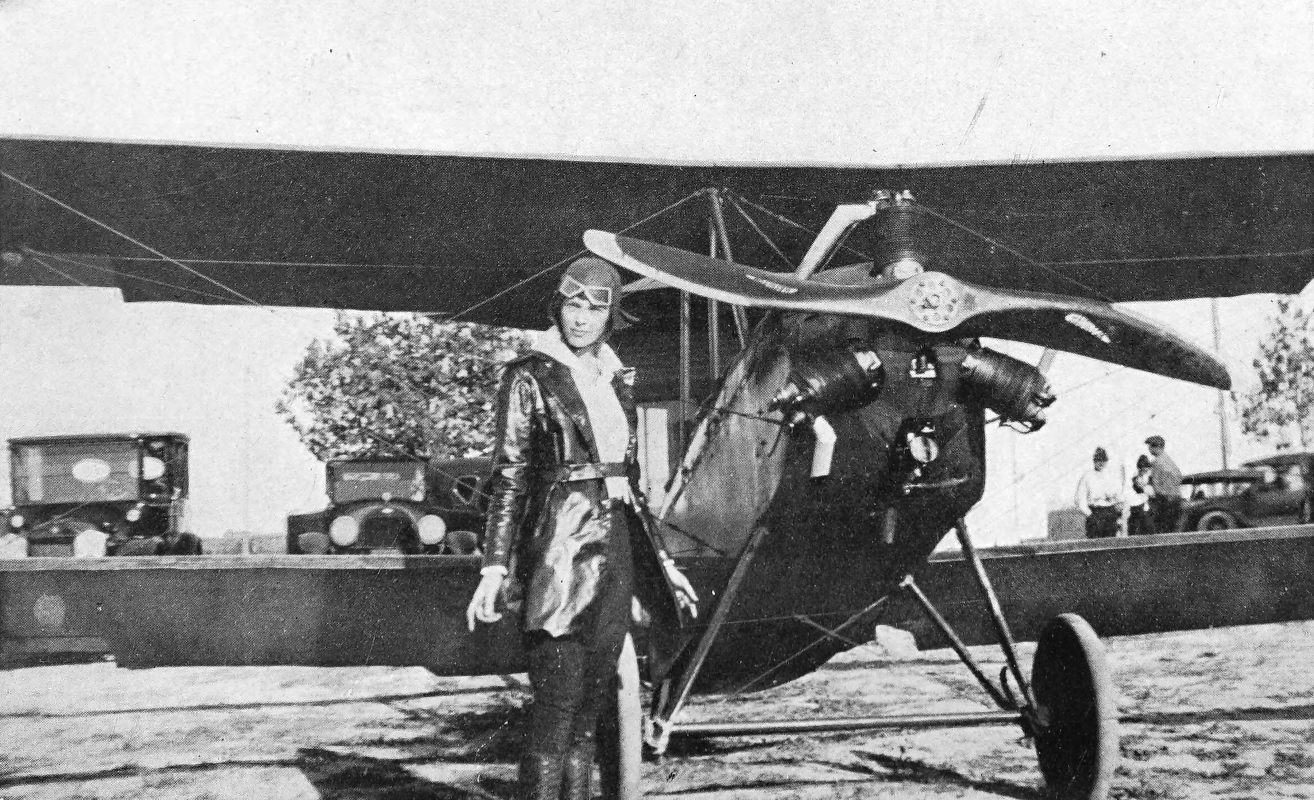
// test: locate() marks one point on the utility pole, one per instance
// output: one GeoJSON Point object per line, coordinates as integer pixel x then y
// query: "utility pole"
{"type": "Point", "coordinates": [1222, 395]}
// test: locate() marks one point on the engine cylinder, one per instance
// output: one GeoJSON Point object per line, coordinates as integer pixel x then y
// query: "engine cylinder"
{"type": "Point", "coordinates": [827, 382]}
{"type": "Point", "coordinates": [1014, 389]}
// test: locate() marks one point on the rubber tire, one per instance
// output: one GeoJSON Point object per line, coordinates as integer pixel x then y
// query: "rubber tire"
{"type": "Point", "coordinates": [1216, 520]}
{"type": "Point", "coordinates": [1078, 745]}
{"type": "Point", "coordinates": [620, 745]}
{"type": "Point", "coordinates": [1307, 511]}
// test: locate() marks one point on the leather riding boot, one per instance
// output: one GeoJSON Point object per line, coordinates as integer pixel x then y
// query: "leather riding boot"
{"type": "Point", "coordinates": [577, 773]}
{"type": "Point", "coordinates": [540, 777]}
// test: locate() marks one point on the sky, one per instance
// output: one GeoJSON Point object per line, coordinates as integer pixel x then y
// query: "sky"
{"type": "Point", "coordinates": [841, 83]}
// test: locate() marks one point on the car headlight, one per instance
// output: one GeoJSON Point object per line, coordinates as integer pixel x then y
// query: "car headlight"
{"type": "Point", "coordinates": [133, 514]}
{"type": "Point", "coordinates": [431, 529]}
{"type": "Point", "coordinates": [16, 520]}
{"type": "Point", "coordinates": [90, 544]}
{"type": "Point", "coordinates": [344, 531]}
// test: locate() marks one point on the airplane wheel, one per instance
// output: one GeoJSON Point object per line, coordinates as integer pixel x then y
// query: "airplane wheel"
{"type": "Point", "coordinates": [1077, 742]}
{"type": "Point", "coordinates": [620, 745]}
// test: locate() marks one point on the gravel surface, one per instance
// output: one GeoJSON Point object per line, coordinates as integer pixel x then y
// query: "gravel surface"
{"type": "Point", "coordinates": [1222, 713]}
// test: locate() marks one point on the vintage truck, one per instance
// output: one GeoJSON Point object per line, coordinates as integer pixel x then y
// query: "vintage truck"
{"type": "Point", "coordinates": [395, 506]}
{"type": "Point", "coordinates": [99, 494]}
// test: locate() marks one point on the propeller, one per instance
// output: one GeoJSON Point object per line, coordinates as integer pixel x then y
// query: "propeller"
{"type": "Point", "coordinates": [932, 302]}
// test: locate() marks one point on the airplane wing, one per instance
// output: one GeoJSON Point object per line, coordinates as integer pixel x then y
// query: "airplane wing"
{"type": "Point", "coordinates": [484, 238]}
{"type": "Point", "coordinates": [931, 302]}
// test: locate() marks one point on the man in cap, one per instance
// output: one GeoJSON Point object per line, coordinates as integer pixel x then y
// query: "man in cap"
{"type": "Point", "coordinates": [1100, 497]}
{"type": "Point", "coordinates": [1166, 478]}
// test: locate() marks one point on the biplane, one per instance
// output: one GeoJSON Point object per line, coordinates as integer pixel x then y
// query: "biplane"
{"type": "Point", "coordinates": [841, 442]}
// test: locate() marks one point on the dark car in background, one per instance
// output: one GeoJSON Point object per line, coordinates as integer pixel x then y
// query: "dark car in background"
{"type": "Point", "coordinates": [1267, 492]}
{"type": "Point", "coordinates": [396, 506]}
{"type": "Point", "coordinates": [101, 494]}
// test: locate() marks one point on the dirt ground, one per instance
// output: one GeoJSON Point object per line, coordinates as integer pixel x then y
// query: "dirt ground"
{"type": "Point", "coordinates": [1224, 713]}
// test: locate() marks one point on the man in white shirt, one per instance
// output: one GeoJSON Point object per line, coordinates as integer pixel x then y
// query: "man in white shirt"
{"type": "Point", "coordinates": [1100, 498]}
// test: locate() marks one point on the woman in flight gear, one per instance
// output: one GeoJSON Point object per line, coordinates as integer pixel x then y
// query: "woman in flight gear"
{"type": "Point", "coordinates": [566, 520]}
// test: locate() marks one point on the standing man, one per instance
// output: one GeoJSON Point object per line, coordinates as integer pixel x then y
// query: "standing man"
{"type": "Point", "coordinates": [1166, 479]}
{"type": "Point", "coordinates": [1099, 497]}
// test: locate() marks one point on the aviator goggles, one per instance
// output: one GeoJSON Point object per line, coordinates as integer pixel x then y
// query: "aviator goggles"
{"type": "Point", "coordinates": [597, 295]}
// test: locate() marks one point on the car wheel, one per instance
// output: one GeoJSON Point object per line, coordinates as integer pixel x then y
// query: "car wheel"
{"type": "Point", "coordinates": [1307, 511]}
{"type": "Point", "coordinates": [1216, 521]}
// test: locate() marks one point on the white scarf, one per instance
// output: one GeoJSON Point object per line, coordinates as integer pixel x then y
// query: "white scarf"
{"type": "Point", "coordinates": [611, 429]}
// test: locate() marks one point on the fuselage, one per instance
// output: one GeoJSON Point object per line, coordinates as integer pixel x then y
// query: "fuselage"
{"type": "Point", "coordinates": [837, 543]}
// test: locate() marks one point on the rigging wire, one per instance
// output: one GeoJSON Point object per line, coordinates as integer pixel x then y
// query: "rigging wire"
{"type": "Point", "coordinates": [1107, 374]}
{"type": "Point", "coordinates": [125, 275]}
{"type": "Point", "coordinates": [237, 262]}
{"type": "Point", "coordinates": [1098, 427]}
{"type": "Point", "coordinates": [797, 225]}
{"type": "Point", "coordinates": [58, 272]}
{"type": "Point", "coordinates": [1013, 251]}
{"type": "Point", "coordinates": [734, 201]}
{"type": "Point", "coordinates": [161, 257]}
{"type": "Point", "coordinates": [192, 187]}
{"type": "Point", "coordinates": [574, 255]}
{"type": "Point", "coordinates": [1308, 251]}
{"type": "Point", "coordinates": [125, 236]}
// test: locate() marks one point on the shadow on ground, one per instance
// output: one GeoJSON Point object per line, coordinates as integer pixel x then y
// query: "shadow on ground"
{"type": "Point", "coordinates": [345, 776]}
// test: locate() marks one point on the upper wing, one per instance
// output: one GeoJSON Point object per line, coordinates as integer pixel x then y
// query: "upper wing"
{"type": "Point", "coordinates": [932, 302]}
{"type": "Point", "coordinates": [485, 237]}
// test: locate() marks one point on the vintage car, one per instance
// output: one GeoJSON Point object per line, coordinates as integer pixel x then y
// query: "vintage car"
{"type": "Point", "coordinates": [100, 494]}
{"type": "Point", "coordinates": [396, 506]}
{"type": "Point", "coordinates": [1277, 490]}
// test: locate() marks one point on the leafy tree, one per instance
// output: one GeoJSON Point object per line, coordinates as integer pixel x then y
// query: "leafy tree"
{"type": "Point", "coordinates": [389, 385]}
{"type": "Point", "coordinates": [1283, 401]}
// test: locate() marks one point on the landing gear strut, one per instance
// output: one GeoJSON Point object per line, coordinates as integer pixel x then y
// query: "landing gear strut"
{"type": "Point", "coordinates": [1067, 707]}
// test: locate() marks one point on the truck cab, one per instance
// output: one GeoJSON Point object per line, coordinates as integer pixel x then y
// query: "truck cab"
{"type": "Point", "coordinates": [100, 495]}
{"type": "Point", "coordinates": [395, 506]}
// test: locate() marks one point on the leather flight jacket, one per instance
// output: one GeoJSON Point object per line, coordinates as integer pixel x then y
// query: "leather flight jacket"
{"type": "Point", "coordinates": [548, 513]}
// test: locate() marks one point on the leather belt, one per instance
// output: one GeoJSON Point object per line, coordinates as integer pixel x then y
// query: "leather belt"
{"type": "Point", "coordinates": [589, 472]}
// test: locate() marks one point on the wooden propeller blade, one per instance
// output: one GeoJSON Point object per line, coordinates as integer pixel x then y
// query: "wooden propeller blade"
{"type": "Point", "coordinates": [932, 302]}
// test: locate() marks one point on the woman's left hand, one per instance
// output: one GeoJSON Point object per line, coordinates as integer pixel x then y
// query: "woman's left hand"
{"type": "Point", "coordinates": [684, 591]}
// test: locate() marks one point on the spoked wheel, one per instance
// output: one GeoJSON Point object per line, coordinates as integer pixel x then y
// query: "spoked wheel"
{"type": "Point", "coordinates": [1077, 738]}
{"type": "Point", "coordinates": [620, 740]}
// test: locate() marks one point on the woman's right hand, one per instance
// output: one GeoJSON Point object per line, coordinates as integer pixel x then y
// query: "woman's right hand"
{"type": "Point", "coordinates": [483, 605]}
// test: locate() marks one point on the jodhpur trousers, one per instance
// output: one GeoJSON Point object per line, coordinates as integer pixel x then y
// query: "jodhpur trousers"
{"type": "Point", "coordinates": [573, 676]}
